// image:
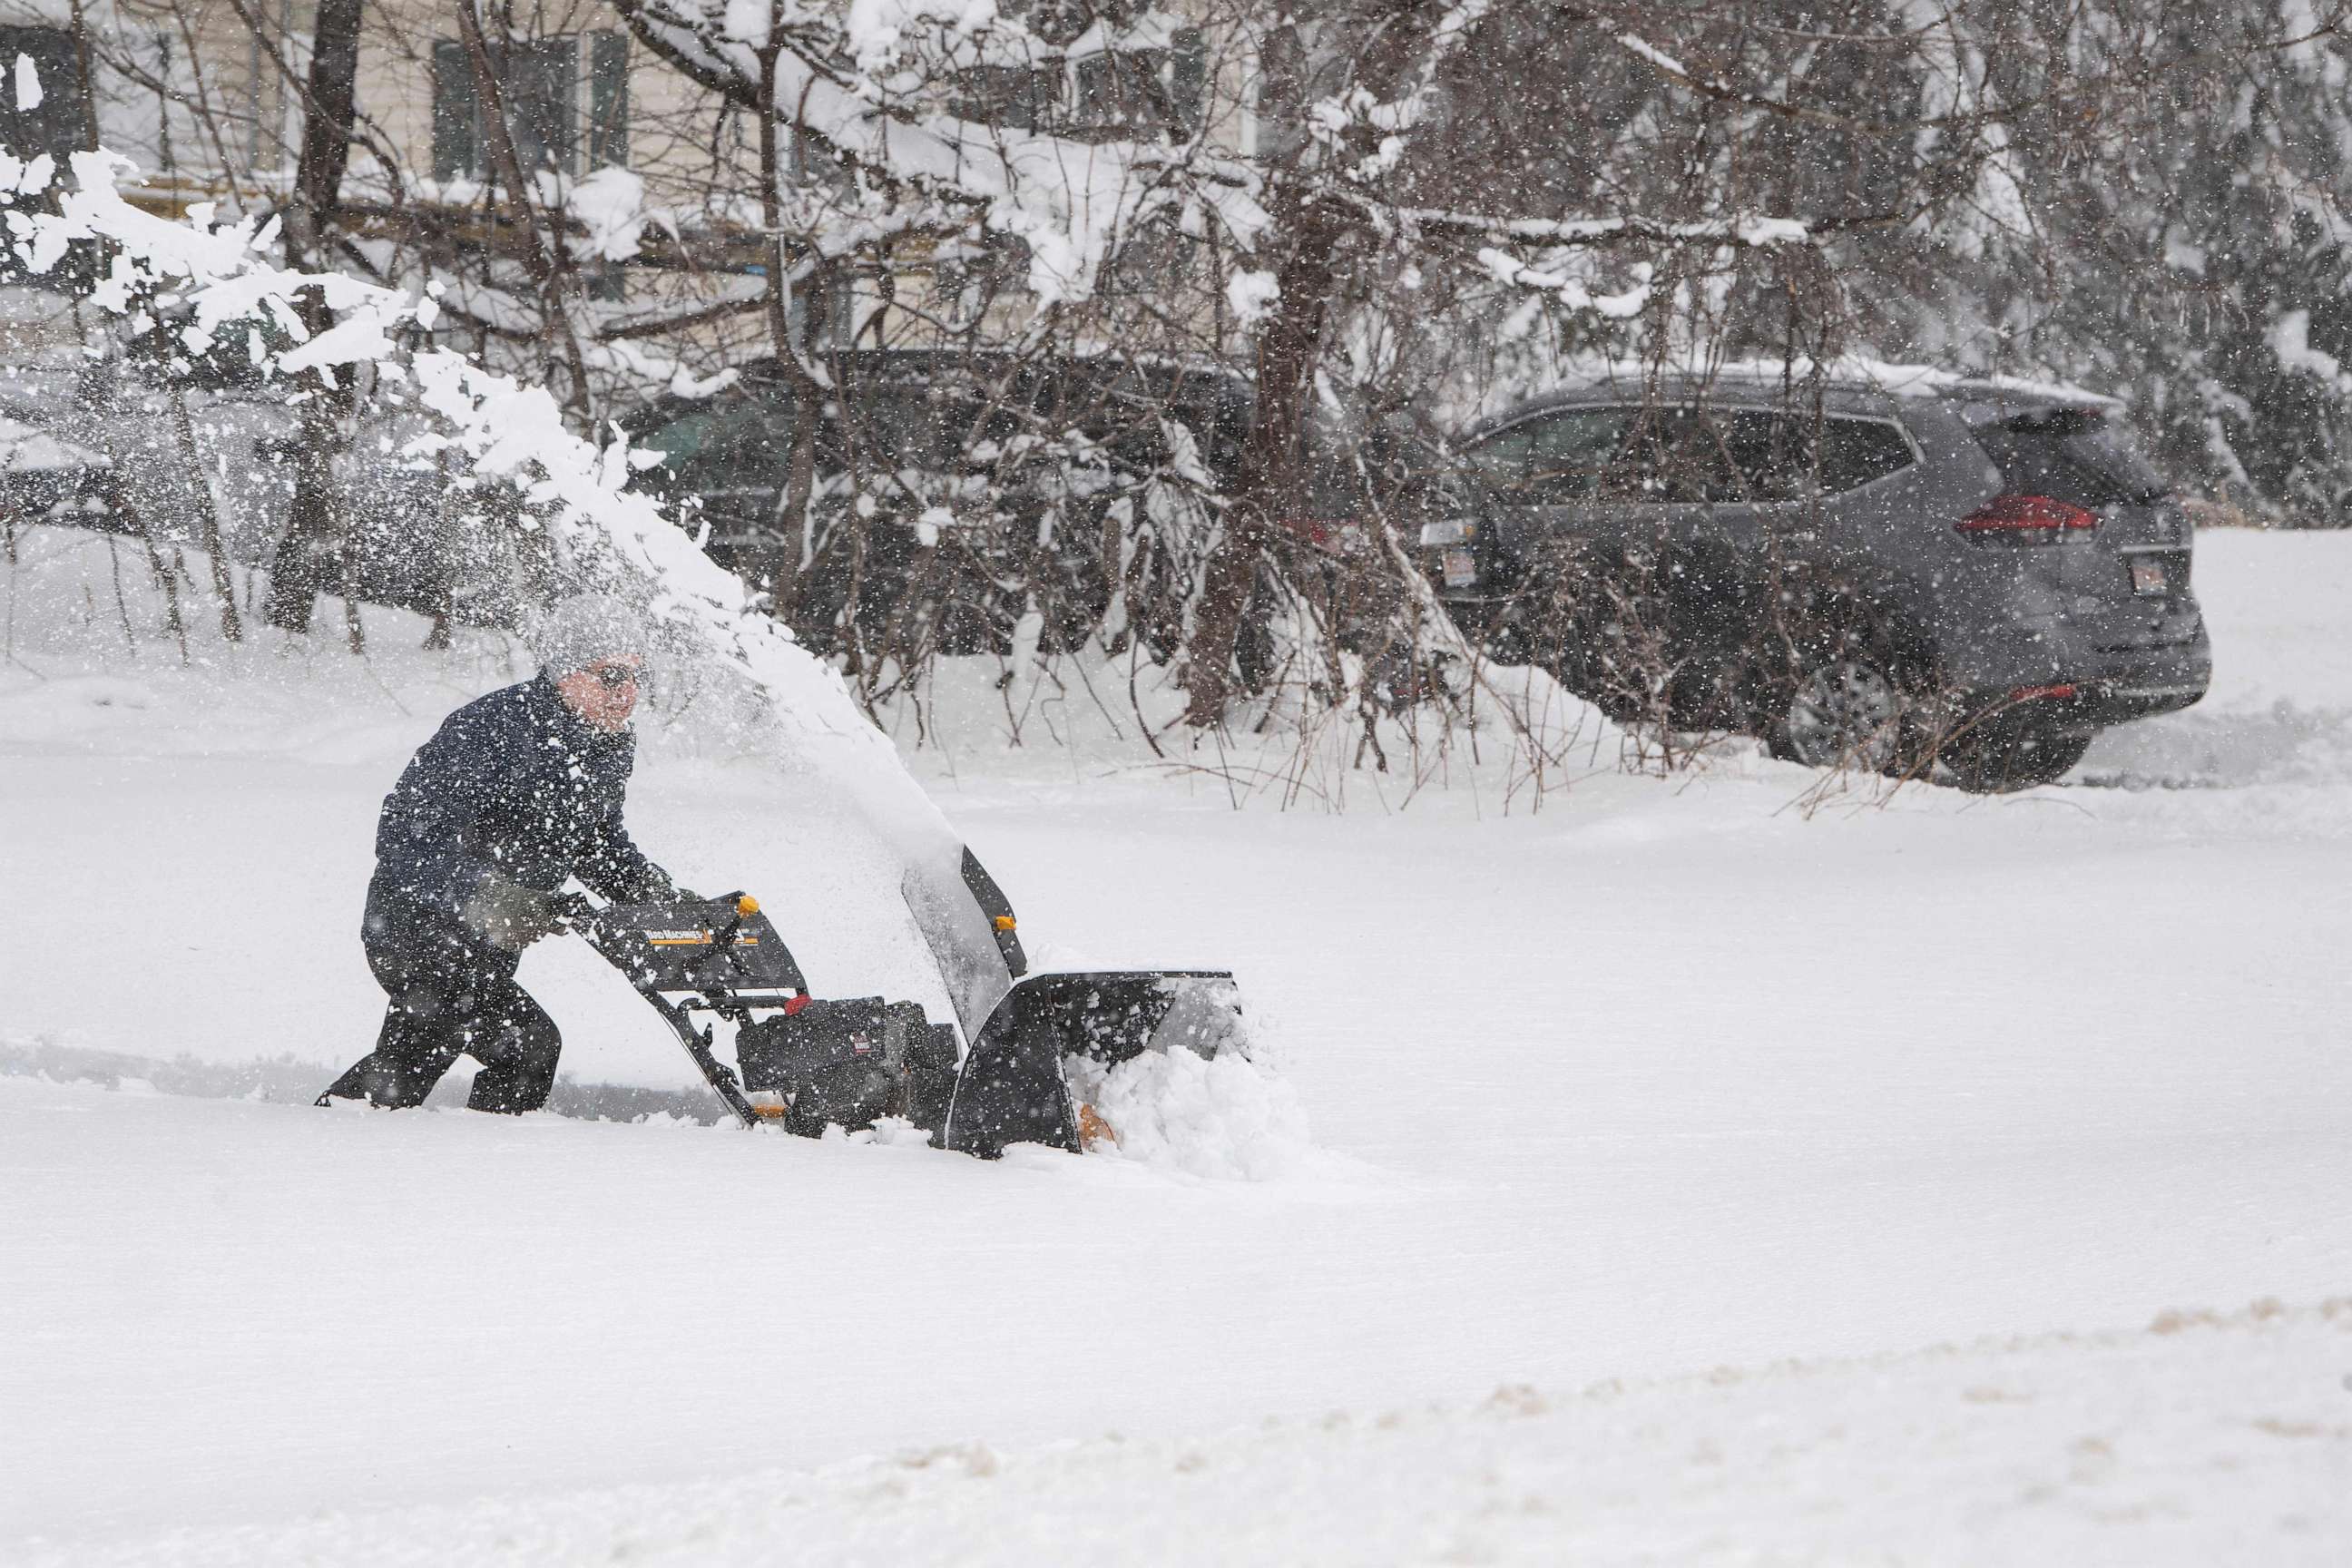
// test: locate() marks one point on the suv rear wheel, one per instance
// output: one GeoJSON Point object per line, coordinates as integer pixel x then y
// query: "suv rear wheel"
{"type": "Point", "coordinates": [1843, 713]}
{"type": "Point", "coordinates": [2004, 753]}
{"type": "Point", "coordinates": [1837, 684]}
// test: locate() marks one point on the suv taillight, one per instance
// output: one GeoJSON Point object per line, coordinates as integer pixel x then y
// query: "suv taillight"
{"type": "Point", "coordinates": [2027, 519]}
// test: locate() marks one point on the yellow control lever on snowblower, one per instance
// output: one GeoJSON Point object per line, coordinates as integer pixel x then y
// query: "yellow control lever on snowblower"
{"type": "Point", "coordinates": [747, 906]}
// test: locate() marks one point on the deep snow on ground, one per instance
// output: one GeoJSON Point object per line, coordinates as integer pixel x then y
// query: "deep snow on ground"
{"type": "Point", "coordinates": [2201, 1438]}
{"type": "Point", "coordinates": [1668, 1075]}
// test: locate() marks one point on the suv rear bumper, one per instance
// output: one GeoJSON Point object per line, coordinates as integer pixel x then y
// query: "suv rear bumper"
{"type": "Point", "coordinates": [2097, 705]}
{"type": "Point", "coordinates": [2097, 690]}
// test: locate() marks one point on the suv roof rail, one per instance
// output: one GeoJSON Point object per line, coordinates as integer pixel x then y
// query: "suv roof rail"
{"type": "Point", "coordinates": [1857, 372]}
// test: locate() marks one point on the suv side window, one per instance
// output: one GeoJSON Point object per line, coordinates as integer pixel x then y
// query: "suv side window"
{"type": "Point", "coordinates": [1854, 452]}
{"type": "Point", "coordinates": [1502, 460]}
{"type": "Point", "coordinates": [927, 430]}
{"type": "Point", "coordinates": [1772, 454]}
{"type": "Point", "coordinates": [1686, 456]}
{"type": "Point", "coordinates": [1569, 453]}
{"type": "Point", "coordinates": [1553, 460]}
{"type": "Point", "coordinates": [1781, 457]}
{"type": "Point", "coordinates": [1674, 457]}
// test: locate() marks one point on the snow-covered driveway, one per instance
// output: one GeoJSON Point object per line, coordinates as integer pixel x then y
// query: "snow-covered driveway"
{"type": "Point", "coordinates": [1669, 1077]}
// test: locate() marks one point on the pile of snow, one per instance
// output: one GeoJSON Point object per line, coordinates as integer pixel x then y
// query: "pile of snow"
{"type": "Point", "coordinates": [1225, 1117]}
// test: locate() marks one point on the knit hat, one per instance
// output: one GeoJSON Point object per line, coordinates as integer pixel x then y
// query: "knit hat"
{"type": "Point", "coordinates": [586, 629]}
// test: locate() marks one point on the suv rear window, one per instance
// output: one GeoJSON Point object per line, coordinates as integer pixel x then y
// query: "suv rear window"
{"type": "Point", "coordinates": [2073, 455]}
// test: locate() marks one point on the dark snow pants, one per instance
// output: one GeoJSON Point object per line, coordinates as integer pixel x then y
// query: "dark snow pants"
{"type": "Point", "coordinates": [451, 995]}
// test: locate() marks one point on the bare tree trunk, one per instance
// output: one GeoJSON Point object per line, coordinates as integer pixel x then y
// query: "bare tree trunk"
{"type": "Point", "coordinates": [106, 368]}
{"type": "Point", "coordinates": [783, 565]}
{"type": "Point", "coordinates": [1272, 487]}
{"type": "Point", "coordinates": [232, 627]}
{"type": "Point", "coordinates": [444, 579]}
{"type": "Point", "coordinates": [299, 567]}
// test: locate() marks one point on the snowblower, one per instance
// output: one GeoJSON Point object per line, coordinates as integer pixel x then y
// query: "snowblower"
{"type": "Point", "coordinates": [806, 1063]}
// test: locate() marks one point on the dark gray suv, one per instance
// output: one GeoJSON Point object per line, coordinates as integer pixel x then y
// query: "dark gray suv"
{"type": "Point", "coordinates": [1965, 579]}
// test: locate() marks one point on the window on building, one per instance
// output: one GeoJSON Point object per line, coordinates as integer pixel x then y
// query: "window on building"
{"type": "Point", "coordinates": [1117, 91]}
{"type": "Point", "coordinates": [1142, 91]}
{"type": "Point", "coordinates": [1017, 97]}
{"type": "Point", "coordinates": [1188, 80]}
{"type": "Point", "coordinates": [549, 98]}
{"type": "Point", "coordinates": [58, 124]}
{"type": "Point", "coordinates": [1122, 92]}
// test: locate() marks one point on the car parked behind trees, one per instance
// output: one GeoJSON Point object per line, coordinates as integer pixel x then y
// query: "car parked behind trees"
{"type": "Point", "coordinates": [951, 495]}
{"type": "Point", "coordinates": [1969, 576]}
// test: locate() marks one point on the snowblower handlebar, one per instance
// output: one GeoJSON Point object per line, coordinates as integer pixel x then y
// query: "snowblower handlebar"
{"type": "Point", "coordinates": [720, 948]}
{"type": "Point", "coordinates": [726, 966]}
{"type": "Point", "coordinates": [573, 912]}
{"type": "Point", "coordinates": [721, 940]}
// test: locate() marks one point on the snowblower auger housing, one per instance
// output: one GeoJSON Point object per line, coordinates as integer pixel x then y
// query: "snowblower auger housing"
{"type": "Point", "coordinates": [1013, 1090]}
{"type": "Point", "coordinates": [807, 1063]}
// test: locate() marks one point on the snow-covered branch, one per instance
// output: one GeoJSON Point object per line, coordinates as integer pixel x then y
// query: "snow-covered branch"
{"type": "Point", "coordinates": [829, 76]}
{"type": "Point", "coordinates": [1746, 231]}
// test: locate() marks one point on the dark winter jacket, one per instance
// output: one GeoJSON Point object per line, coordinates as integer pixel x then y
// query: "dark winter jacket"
{"type": "Point", "coordinates": [514, 784]}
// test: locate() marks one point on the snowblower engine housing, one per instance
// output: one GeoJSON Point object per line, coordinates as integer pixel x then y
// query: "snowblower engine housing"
{"type": "Point", "coordinates": [851, 1063]}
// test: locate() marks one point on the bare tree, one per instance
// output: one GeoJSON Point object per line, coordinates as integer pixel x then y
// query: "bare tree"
{"type": "Point", "coordinates": [313, 529]}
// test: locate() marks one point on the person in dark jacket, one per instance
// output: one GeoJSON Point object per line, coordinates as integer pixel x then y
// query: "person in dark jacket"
{"type": "Point", "coordinates": [518, 793]}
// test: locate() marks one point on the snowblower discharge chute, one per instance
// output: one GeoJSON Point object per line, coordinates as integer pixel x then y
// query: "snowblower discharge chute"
{"type": "Point", "coordinates": [807, 1063]}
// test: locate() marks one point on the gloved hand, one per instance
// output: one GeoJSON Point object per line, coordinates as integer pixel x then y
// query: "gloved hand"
{"type": "Point", "coordinates": [510, 917]}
